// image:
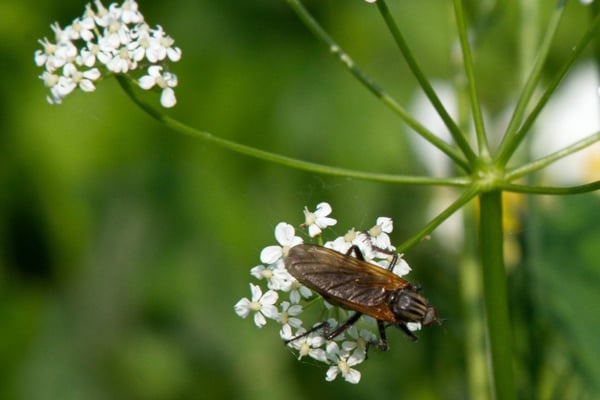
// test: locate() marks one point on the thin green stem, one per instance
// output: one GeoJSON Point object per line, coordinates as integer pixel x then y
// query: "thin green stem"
{"type": "Point", "coordinates": [551, 190]}
{"type": "Point", "coordinates": [277, 158]}
{"type": "Point", "coordinates": [457, 134]}
{"type": "Point", "coordinates": [529, 28]}
{"type": "Point", "coordinates": [495, 295]}
{"type": "Point", "coordinates": [470, 74]}
{"type": "Point", "coordinates": [513, 138]}
{"type": "Point", "coordinates": [540, 163]}
{"type": "Point", "coordinates": [388, 100]}
{"type": "Point", "coordinates": [451, 209]}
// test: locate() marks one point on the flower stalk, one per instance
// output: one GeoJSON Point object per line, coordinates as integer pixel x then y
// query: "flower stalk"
{"type": "Point", "coordinates": [495, 294]}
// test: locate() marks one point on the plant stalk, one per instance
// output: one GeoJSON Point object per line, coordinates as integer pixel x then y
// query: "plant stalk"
{"type": "Point", "coordinates": [495, 295]}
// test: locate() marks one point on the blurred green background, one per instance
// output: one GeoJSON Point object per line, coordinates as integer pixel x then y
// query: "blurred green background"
{"type": "Point", "coordinates": [123, 246]}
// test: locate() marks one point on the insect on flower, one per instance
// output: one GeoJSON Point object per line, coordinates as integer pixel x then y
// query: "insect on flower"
{"type": "Point", "coordinates": [355, 284]}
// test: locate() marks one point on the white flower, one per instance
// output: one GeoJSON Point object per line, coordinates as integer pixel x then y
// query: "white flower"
{"type": "Point", "coordinates": [130, 13]}
{"type": "Point", "coordinates": [308, 345]}
{"type": "Point", "coordinates": [261, 304]}
{"type": "Point", "coordinates": [360, 341]}
{"type": "Point", "coordinates": [378, 233]}
{"type": "Point", "coordinates": [319, 219]}
{"type": "Point", "coordinates": [41, 56]}
{"type": "Point", "coordinates": [278, 278]}
{"type": "Point", "coordinates": [288, 313]}
{"type": "Point", "coordinates": [343, 363]}
{"type": "Point", "coordinates": [83, 79]}
{"type": "Point", "coordinates": [164, 80]}
{"type": "Point", "coordinates": [87, 55]}
{"type": "Point", "coordinates": [162, 47]}
{"type": "Point", "coordinates": [343, 244]}
{"type": "Point", "coordinates": [297, 291]}
{"type": "Point", "coordinates": [81, 28]}
{"type": "Point", "coordinates": [285, 234]}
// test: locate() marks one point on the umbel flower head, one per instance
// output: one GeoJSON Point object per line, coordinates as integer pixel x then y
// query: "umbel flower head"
{"type": "Point", "coordinates": [104, 41]}
{"type": "Point", "coordinates": [284, 300]}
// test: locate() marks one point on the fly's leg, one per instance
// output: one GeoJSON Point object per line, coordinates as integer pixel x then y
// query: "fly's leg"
{"type": "Point", "coordinates": [325, 326]}
{"type": "Point", "coordinates": [344, 326]}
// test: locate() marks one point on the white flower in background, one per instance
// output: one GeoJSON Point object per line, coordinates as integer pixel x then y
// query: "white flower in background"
{"type": "Point", "coordinates": [318, 220]}
{"type": "Point", "coordinates": [105, 41]}
{"type": "Point", "coordinates": [164, 80]}
{"type": "Point", "coordinates": [571, 115]}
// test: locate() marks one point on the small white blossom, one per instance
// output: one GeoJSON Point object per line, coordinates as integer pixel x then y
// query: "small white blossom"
{"type": "Point", "coordinates": [84, 80]}
{"type": "Point", "coordinates": [307, 345]}
{"type": "Point", "coordinates": [288, 313]}
{"type": "Point", "coordinates": [343, 244]}
{"type": "Point", "coordinates": [359, 342]}
{"type": "Point", "coordinates": [285, 234]}
{"type": "Point", "coordinates": [318, 220]}
{"type": "Point", "coordinates": [401, 267]}
{"type": "Point", "coordinates": [379, 233]}
{"type": "Point", "coordinates": [298, 291]}
{"type": "Point", "coordinates": [261, 304]}
{"type": "Point", "coordinates": [130, 13]}
{"type": "Point", "coordinates": [343, 363]}
{"type": "Point", "coordinates": [276, 275]}
{"type": "Point", "coordinates": [81, 28]}
{"type": "Point", "coordinates": [164, 80]}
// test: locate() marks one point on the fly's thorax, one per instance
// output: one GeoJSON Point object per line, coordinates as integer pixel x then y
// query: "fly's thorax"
{"type": "Point", "coordinates": [409, 306]}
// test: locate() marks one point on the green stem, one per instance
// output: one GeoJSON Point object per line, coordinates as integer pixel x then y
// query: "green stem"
{"type": "Point", "coordinates": [551, 190]}
{"type": "Point", "coordinates": [470, 74]}
{"type": "Point", "coordinates": [277, 158]}
{"type": "Point", "coordinates": [434, 223]}
{"type": "Point", "coordinates": [529, 28]}
{"type": "Point", "coordinates": [474, 328]}
{"type": "Point", "coordinates": [541, 163]}
{"type": "Point", "coordinates": [457, 134]}
{"type": "Point", "coordinates": [513, 138]}
{"type": "Point", "coordinates": [388, 100]}
{"type": "Point", "coordinates": [495, 295]}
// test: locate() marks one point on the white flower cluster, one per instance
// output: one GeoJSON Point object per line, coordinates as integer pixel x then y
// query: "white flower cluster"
{"type": "Point", "coordinates": [103, 41]}
{"type": "Point", "coordinates": [283, 298]}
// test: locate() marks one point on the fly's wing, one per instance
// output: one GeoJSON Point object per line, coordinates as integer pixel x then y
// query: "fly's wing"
{"type": "Point", "coordinates": [343, 280]}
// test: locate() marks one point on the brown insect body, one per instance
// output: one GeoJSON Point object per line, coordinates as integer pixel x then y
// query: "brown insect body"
{"type": "Point", "coordinates": [355, 284]}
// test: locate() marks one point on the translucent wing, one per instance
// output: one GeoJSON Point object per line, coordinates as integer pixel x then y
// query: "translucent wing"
{"type": "Point", "coordinates": [343, 280]}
